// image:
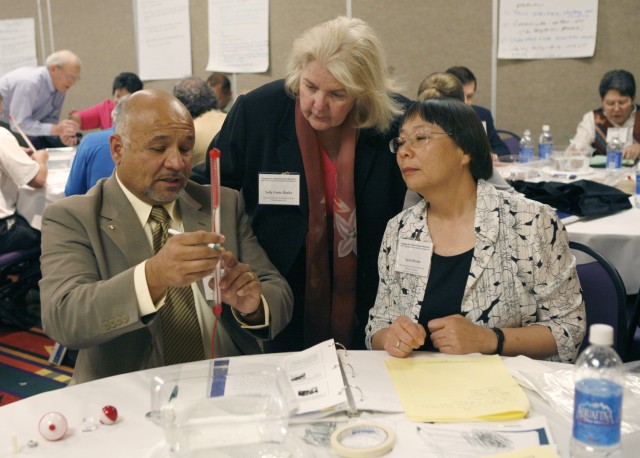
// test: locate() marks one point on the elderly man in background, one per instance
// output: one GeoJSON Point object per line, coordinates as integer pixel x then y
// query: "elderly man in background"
{"type": "Point", "coordinates": [17, 168]}
{"type": "Point", "coordinates": [117, 287]}
{"type": "Point", "coordinates": [202, 104]}
{"type": "Point", "coordinates": [34, 98]}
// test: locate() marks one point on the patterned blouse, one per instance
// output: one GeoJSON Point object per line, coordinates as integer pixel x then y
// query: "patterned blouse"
{"type": "Point", "coordinates": [522, 271]}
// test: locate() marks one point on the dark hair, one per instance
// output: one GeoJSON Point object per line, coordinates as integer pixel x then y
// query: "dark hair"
{"type": "Point", "coordinates": [463, 74]}
{"type": "Point", "coordinates": [619, 80]}
{"type": "Point", "coordinates": [128, 81]}
{"type": "Point", "coordinates": [220, 79]}
{"type": "Point", "coordinates": [464, 128]}
{"type": "Point", "coordinates": [196, 95]}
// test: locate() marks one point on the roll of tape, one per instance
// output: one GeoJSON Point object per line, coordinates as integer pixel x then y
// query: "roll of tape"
{"type": "Point", "coordinates": [363, 440]}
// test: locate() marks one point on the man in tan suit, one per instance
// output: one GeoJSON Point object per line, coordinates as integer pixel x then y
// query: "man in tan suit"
{"type": "Point", "coordinates": [103, 288]}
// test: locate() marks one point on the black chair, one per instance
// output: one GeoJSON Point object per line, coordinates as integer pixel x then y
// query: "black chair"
{"type": "Point", "coordinates": [511, 139]}
{"type": "Point", "coordinates": [604, 295]}
{"type": "Point", "coordinates": [633, 336]}
{"type": "Point", "coordinates": [19, 275]}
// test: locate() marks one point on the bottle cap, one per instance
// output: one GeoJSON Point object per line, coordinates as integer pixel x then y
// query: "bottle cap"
{"type": "Point", "coordinates": [601, 334]}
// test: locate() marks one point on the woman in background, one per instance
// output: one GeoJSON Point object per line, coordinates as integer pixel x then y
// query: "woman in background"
{"type": "Point", "coordinates": [99, 116]}
{"type": "Point", "coordinates": [618, 93]}
{"type": "Point", "coordinates": [310, 155]}
{"type": "Point", "coordinates": [470, 269]}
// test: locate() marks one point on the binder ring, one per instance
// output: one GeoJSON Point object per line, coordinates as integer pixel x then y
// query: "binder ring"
{"type": "Point", "coordinates": [365, 440]}
{"type": "Point", "coordinates": [353, 386]}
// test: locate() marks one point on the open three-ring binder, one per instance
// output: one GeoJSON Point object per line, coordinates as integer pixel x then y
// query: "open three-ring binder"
{"type": "Point", "coordinates": [325, 382]}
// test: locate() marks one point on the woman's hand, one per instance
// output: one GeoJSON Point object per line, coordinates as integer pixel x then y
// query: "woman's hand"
{"type": "Point", "coordinates": [401, 338]}
{"type": "Point", "coordinates": [455, 335]}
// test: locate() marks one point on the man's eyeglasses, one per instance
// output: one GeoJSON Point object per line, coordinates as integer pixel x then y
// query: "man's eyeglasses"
{"type": "Point", "coordinates": [416, 139]}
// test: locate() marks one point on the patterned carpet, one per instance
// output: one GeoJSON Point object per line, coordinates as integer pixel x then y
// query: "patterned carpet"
{"type": "Point", "coordinates": [24, 366]}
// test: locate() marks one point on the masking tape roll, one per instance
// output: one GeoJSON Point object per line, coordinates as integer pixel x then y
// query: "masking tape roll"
{"type": "Point", "coordinates": [364, 440]}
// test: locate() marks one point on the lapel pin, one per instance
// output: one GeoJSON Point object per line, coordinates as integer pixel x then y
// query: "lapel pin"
{"type": "Point", "coordinates": [112, 227]}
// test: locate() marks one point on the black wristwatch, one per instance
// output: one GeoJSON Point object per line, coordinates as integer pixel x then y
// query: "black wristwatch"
{"type": "Point", "coordinates": [500, 336]}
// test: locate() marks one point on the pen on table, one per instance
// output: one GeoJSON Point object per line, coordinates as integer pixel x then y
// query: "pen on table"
{"type": "Point", "coordinates": [23, 135]}
{"type": "Point", "coordinates": [568, 176]}
{"type": "Point", "coordinates": [215, 246]}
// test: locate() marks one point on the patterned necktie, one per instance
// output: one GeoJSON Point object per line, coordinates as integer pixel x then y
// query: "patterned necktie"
{"type": "Point", "coordinates": [181, 334]}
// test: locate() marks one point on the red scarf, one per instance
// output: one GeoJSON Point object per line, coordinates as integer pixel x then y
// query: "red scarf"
{"type": "Point", "coordinates": [329, 313]}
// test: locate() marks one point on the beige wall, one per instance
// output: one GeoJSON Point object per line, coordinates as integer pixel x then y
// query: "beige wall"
{"type": "Point", "coordinates": [420, 37]}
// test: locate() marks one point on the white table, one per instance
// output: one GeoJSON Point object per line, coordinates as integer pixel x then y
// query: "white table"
{"type": "Point", "coordinates": [32, 202]}
{"type": "Point", "coordinates": [616, 237]}
{"type": "Point", "coordinates": [135, 436]}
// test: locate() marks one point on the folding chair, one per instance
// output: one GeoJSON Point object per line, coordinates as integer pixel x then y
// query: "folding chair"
{"type": "Point", "coordinates": [19, 273]}
{"type": "Point", "coordinates": [604, 294]}
{"type": "Point", "coordinates": [511, 139]}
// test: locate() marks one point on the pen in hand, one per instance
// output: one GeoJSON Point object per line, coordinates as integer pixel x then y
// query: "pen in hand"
{"type": "Point", "coordinates": [215, 246]}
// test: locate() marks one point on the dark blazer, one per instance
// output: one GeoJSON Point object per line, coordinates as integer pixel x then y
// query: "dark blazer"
{"type": "Point", "coordinates": [259, 135]}
{"type": "Point", "coordinates": [90, 246]}
{"type": "Point", "coordinates": [497, 145]}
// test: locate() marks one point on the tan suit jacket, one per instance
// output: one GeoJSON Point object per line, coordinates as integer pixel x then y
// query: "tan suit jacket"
{"type": "Point", "coordinates": [90, 247]}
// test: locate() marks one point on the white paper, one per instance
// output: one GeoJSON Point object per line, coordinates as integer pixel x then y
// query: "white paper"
{"type": "Point", "coordinates": [238, 36]}
{"type": "Point", "coordinates": [458, 440]}
{"type": "Point", "coordinates": [17, 44]}
{"type": "Point", "coordinates": [547, 29]}
{"type": "Point", "coordinates": [163, 35]}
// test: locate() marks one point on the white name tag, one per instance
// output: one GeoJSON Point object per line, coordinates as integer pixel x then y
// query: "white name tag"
{"type": "Point", "coordinates": [278, 189]}
{"type": "Point", "coordinates": [621, 132]}
{"type": "Point", "coordinates": [414, 257]}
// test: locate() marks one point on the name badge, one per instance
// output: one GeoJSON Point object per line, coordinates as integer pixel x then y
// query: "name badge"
{"type": "Point", "coordinates": [278, 189]}
{"type": "Point", "coordinates": [621, 132]}
{"type": "Point", "coordinates": [414, 257]}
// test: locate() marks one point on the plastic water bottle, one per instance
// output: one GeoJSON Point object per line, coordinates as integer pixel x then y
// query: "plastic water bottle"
{"type": "Point", "coordinates": [614, 153]}
{"type": "Point", "coordinates": [526, 147]}
{"type": "Point", "coordinates": [545, 144]}
{"type": "Point", "coordinates": [597, 410]}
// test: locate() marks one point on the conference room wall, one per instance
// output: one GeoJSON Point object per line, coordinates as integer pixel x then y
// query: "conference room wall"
{"type": "Point", "coordinates": [419, 36]}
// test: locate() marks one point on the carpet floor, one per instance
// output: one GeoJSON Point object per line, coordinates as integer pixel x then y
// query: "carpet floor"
{"type": "Point", "coordinates": [24, 366]}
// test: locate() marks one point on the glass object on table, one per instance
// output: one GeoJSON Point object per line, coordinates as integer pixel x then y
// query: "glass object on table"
{"type": "Point", "coordinates": [223, 411]}
{"type": "Point", "coordinates": [516, 167]}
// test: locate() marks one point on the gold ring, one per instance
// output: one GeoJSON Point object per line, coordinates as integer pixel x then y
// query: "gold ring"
{"type": "Point", "coordinates": [398, 344]}
{"type": "Point", "coordinates": [252, 276]}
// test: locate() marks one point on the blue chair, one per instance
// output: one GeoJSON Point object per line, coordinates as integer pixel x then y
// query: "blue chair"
{"type": "Point", "coordinates": [604, 295]}
{"type": "Point", "coordinates": [511, 139]}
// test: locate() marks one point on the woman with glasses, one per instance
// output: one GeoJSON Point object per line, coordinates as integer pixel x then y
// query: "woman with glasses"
{"type": "Point", "coordinates": [618, 93]}
{"type": "Point", "coordinates": [310, 154]}
{"type": "Point", "coordinates": [470, 269]}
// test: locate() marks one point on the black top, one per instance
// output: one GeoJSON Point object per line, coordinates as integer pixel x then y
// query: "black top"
{"type": "Point", "coordinates": [445, 288]}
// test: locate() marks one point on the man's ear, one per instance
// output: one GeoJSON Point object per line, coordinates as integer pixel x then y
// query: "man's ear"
{"type": "Point", "coordinates": [117, 148]}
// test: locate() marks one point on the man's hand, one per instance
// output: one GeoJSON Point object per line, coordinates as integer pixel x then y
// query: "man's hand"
{"type": "Point", "coordinates": [240, 287]}
{"type": "Point", "coordinates": [183, 259]}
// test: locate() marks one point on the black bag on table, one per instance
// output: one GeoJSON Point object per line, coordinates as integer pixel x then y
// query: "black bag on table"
{"type": "Point", "coordinates": [581, 198]}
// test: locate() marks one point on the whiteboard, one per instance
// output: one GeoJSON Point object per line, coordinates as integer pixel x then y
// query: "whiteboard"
{"type": "Point", "coordinates": [547, 29]}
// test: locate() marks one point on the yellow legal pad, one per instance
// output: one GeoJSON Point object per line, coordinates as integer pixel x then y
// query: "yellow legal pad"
{"type": "Point", "coordinates": [457, 389]}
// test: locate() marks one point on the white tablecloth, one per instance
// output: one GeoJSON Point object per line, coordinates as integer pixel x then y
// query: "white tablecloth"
{"type": "Point", "coordinates": [137, 437]}
{"type": "Point", "coordinates": [617, 238]}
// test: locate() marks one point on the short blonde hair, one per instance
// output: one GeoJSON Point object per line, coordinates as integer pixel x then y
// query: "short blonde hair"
{"type": "Point", "coordinates": [351, 52]}
{"type": "Point", "coordinates": [441, 85]}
